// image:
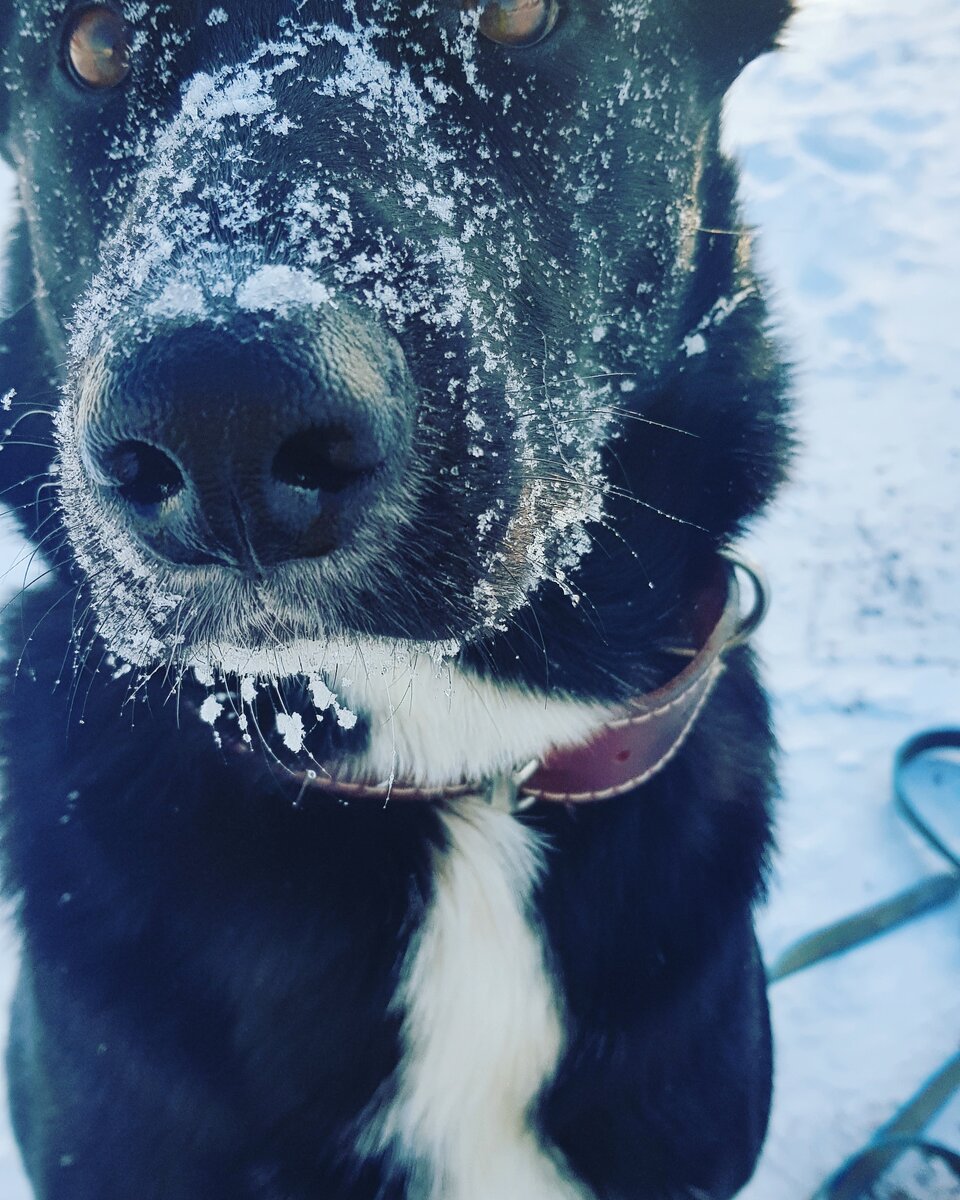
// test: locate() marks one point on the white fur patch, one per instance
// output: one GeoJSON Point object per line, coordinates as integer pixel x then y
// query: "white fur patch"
{"type": "Point", "coordinates": [432, 723]}
{"type": "Point", "coordinates": [482, 1030]}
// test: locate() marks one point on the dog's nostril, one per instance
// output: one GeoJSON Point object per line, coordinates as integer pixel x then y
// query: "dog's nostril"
{"type": "Point", "coordinates": [142, 474]}
{"type": "Point", "coordinates": [322, 460]}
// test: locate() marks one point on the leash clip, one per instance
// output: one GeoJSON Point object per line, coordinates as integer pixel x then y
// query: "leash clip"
{"type": "Point", "coordinates": [502, 792]}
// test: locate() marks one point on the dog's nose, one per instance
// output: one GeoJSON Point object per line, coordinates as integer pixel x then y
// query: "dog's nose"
{"type": "Point", "coordinates": [228, 446]}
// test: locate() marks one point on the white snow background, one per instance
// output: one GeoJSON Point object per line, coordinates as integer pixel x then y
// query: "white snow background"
{"type": "Point", "coordinates": [850, 143]}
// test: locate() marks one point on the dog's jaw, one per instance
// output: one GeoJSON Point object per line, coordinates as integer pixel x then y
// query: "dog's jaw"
{"type": "Point", "coordinates": [425, 719]}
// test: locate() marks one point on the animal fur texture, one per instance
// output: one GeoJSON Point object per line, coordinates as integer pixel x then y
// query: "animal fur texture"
{"type": "Point", "coordinates": [381, 394]}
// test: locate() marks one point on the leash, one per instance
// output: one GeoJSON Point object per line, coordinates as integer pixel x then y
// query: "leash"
{"type": "Point", "coordinates": [903, 1133]}
{"type": "Point", "coordinates": [880, 918]}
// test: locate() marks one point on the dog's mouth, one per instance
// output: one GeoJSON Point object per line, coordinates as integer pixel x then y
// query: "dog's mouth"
{"type": "Point", "coordinates": [369, 711]}
{"type": "Point", "coordinates": [297, 725]}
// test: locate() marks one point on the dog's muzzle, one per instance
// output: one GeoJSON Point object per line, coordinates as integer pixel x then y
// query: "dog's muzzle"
{"type": "Point", "coordinates": [248, 441]}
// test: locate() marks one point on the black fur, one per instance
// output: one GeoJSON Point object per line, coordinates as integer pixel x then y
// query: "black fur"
{"type": "Point", "coordinates": [209, 957]}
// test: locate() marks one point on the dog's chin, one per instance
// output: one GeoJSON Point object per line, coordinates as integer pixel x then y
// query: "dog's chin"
{"type": "Point", "coordinates": [310, 667]}
{"type": "Point", "coordinates": [376, 710]}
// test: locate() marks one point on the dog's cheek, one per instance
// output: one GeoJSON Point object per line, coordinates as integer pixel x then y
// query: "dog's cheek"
{"type": "Point", "coordinates": [605, 156]}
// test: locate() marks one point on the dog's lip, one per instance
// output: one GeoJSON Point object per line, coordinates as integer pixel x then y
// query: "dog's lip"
{"type": "Point", "coordinates": [273, 608]}
{"type": "Point", "coordinates": [265, 579]}
{"type": "Point", "coordinates": [256, 744]}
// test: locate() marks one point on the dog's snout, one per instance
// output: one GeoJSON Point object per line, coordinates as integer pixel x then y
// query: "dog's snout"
{"type": "Point", "coordinates": [246, 450]}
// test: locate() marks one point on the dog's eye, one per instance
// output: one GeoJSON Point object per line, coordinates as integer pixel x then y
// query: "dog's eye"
{"type": "Point", "coordinates": [516, 22]}
{"type": "Point", "coordinates": [98, 46]}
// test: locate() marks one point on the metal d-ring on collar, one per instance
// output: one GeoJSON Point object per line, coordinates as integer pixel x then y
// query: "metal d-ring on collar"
{"type": "Point", "coordinates": [754, 617]}
{"type": "Point", "coordinates": [503, 792]}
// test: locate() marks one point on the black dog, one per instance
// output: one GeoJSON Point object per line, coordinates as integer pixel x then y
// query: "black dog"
{"type": "Point", "coordinates": [407, 380]}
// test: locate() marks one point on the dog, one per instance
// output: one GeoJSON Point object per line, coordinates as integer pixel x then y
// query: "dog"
{"type": "Point", "coordinates": [387, 783]}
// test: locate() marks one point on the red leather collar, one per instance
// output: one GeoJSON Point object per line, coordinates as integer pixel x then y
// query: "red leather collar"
{"type": "Point", "coordinates": [639, 741]}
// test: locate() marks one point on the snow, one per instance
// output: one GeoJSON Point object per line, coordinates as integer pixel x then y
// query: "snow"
{"type": "Point", "coordinates": [849, 141]}
{"type": "Point", "coordinates": [276, 288]}
{"type": "Point", "coordinates": [210, 710]}
{"type": "Point", "coordinates": [290, 728]}
{"type": "Point", "coordinates": [852, 176]}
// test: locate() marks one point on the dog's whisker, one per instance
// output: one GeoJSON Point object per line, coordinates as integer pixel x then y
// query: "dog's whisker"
{"type": "Point", "coordinates": [47, 413]}
{"type": "Point", "coordinates": [26, 559]}
{"type": "Point", "coordinates": [28, 479]}
{"type": "Point", "coordinates": [78, 621]}
{"type": "Point", "coordinates": [7, 317]}
{"type": "Point", "coordinates": [20, 597]}
{"type": "Point", "coordinates": [28, 638]}
{"type": "Point", "coordinates": [92, 678]}
{"type": "Point", "coordinates": [627, 415]}
{"type": "Point", "coordinates": [6, 443]}
{"type": "Point", "coordinates": [734, 233]}
{"type": "Point", "coordinates": [622, 494]}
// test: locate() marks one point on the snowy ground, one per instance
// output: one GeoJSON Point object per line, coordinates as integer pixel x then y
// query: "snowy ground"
{"type": "Point", "coordinates": [852, 174]}
{"type": "Point", "coordinates": [851, 144]}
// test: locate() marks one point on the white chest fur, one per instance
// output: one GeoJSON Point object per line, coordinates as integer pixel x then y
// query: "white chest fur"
{"type": "Point", "coordinates": [482, 1031]}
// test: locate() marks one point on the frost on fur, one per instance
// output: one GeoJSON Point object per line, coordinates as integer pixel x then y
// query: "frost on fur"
{"type": "Point", "coordinates": [187, 244]}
